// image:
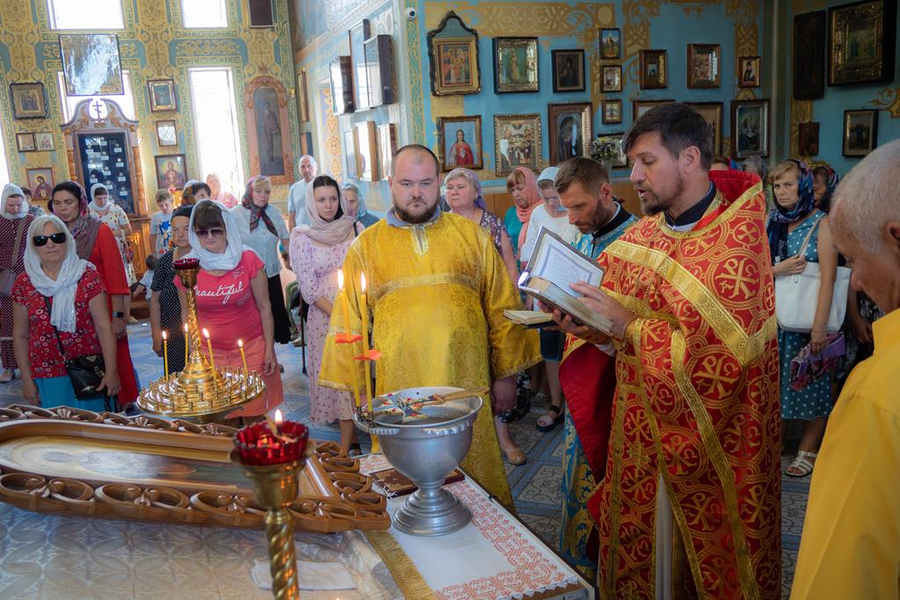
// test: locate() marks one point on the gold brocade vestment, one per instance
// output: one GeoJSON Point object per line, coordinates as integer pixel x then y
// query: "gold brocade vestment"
{"type": "Point", "coordinates": [436, 295]}
{"type": "Point", "coordinates": [696, 407]}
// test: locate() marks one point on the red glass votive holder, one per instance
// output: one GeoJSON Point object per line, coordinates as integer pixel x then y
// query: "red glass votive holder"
{"type": "Point", "coordinates": [256, 444]}
{"type": "Point", "coordinates": [186, 263]}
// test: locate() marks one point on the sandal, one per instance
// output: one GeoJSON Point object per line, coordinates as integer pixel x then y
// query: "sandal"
{"type": "Point", "coordinates": [802, 465]}
{"type": "Point", "coordinates": [560, 415]}
{"type": "Point", "coordinates": [514, 456]}
{"type": "Point", "coordinates": [355, 450]}
{"type": "Point", "coordinates": [7, 376]}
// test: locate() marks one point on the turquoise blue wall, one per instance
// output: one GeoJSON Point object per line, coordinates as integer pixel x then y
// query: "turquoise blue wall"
{"type": "Point", "coordinates": [675, 26]}
{"type": "Point", "coordinates": [829, 111]}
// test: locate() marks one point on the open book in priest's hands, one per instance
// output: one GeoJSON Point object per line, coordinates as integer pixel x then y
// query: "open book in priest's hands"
{"type": "Point", "coordinates": [553, 266]}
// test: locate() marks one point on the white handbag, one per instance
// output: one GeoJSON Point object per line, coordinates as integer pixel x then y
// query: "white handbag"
{"type": "Point", "coordinates": [796, 296]}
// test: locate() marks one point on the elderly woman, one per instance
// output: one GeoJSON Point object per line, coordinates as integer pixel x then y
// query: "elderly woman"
{"type": "Point", "coordinates": [105, 209]}
{"type": "Point", "coordinates": [357, 205]}
{"type": "Point", "coordinates": [15, 218]}
{"type": "Point", "coordinates": [462, 191]}
{"type": "Point", "coordinates": [60, 313]}
{"type": "Point", "coordinates": [262, 228]}
{"type": "Point", "coordinates": [795, 219]}
{"type": "Point", "coordinates": [165, 307]}
{"type": "Point", "coordinates": [217, 193]}
{"type": "Point", "coordinates": [522, 184]}
{"type": "Point", "coordinates": [233, 302]}
{"type": "Point", "coordinates": [95, 242]}
{"type": "Point", "coordinates": [317, 253]}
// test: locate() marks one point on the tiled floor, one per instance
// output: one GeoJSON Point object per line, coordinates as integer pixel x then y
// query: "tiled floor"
{"type": "Point", "coordinates": [535, 485]}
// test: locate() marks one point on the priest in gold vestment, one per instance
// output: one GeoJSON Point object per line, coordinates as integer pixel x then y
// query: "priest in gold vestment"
{"type": "Point", "coordinates": [436, 291]}
{"type": "Point", "coordinates": [690, 502]}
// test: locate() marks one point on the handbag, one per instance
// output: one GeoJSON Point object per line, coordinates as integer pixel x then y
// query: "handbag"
{"type": "Point", "coordinates": [807, 367]}
{"type": "Point", "coordinates": [796, 296]}
{"type": "Point", "coordinates": [86, 372]}
{"type": "Point", "coordinates": [7, 274]}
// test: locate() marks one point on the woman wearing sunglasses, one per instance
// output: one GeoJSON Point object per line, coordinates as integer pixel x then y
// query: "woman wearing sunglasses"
{"type": "Point", "coordinates": [233, 302]}
{"type": "Point", "coordinates": [60, 312]}
{"type": "Point", "coordinates": [95, 243]}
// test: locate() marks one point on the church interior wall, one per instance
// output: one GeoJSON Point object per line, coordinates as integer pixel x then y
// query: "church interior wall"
{"type": "Point", "coordinates": [828, 111]}
{"type": "Point", "coordinates": [152, 45]}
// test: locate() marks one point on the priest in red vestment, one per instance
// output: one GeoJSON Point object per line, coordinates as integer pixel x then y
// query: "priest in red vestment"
{"type": "Point", "coordinates": [690, 500]}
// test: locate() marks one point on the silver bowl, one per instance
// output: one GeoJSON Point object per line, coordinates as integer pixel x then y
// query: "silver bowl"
{"type": "Point", "coordinates": [426, 451]}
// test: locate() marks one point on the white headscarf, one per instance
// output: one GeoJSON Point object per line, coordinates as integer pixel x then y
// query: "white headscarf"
{"type": "Point", "coordinates": [328, 233]}
{"type": "Point", "coordinates": [93, 203]}
{"type": "Point", "coordinates": [234, 248]}
{"type": "Point", "coordinates": [63, 288]}
{"type": "Point", "coordinates": [11, 189]}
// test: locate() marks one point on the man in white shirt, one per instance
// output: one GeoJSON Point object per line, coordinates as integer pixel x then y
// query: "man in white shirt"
{"type": "Point", "coordinates": [297, 194]}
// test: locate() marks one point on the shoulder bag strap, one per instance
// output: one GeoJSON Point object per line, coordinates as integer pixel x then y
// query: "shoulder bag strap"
{"type": "Point", "coordinates": [55, 330]}
{"type": "Point", "coordinates": [812, 230]}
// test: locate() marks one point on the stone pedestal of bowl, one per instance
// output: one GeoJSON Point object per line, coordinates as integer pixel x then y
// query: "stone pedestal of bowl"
{"type": "Point", "coordinates": [426, 451]}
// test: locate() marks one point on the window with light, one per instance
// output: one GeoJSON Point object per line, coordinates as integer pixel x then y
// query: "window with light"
{"type": "Point", "coordinates": [74, 14]}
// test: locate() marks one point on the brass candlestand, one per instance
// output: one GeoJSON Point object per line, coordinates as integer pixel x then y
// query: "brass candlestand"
{"type": "Point", "coordinates": [274, 488]}
{"type": "Point", "coordinates": [199, 391]}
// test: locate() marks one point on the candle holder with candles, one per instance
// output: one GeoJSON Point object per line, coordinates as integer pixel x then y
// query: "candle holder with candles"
{"type": "Point", "coordinates": [272, 456]}
{"type": "Point", "coordinates": [200, 391]}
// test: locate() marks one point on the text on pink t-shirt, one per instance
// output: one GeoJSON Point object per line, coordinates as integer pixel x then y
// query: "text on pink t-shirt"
{"type": "Point", "coordinates": [225, 304]}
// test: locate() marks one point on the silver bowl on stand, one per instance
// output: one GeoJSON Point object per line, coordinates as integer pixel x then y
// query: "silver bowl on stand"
{"type": "Point", "coordinates": [426, 451]}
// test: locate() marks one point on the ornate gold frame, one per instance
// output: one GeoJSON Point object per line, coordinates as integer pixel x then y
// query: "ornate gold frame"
{"type": "Point", "coordinates": [333, 495]}
{"type": "Point", "coordinates": [843, 68]}
{"type": "Point", "coordinates": [253, 142]}
{"type": "Point", "coordinates": [585, 111]}
{"type": "Point", "coordinates": [499, 122]}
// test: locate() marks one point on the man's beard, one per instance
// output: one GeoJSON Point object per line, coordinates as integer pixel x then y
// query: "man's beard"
{"type": "Point", "coordinates": [652, 204]}
{"type": "Point", "coordinates": [412, 219]}
{"type": "Point", "coordinates": [601, 216]}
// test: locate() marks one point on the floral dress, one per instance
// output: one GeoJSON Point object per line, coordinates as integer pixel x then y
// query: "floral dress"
{"type": "Point", "coordinates": [316, 267]}
{"type": "Point", "coordinates": [815, 400]}
{"type": "Point", "coordinates": [115, 218]}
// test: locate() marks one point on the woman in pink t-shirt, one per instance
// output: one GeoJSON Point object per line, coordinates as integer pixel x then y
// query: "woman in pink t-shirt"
{"type": "Point", "coordinates": [233, 302]}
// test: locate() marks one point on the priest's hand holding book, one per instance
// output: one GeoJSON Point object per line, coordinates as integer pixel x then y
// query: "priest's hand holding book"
{"type": "Point", "coordinates": [603, 305]}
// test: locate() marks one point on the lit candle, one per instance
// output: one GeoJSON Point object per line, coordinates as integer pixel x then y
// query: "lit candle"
{"type": "Point", "coordinates": [243, 356]}
{"type": "Point", "coordinates": [165, 337]}
{"type": "Point", "coordinates": [212, 361]}
{"type": "Point", "coordinates": [345, 303]}
{"type": "Point", "coordinates": [364, 313]}
{"type": "Point", "coordinates": [187, 344]}
{"type": "Point", "coordinates": [275, 424]}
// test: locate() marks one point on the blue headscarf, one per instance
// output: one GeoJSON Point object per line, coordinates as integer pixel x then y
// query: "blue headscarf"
{"type": "Point", "coordinates": [777, 229]}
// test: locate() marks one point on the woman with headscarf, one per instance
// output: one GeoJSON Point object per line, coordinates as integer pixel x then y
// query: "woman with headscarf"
{"type": "Point", "coordinates": [794, 219]}
{"type": "Point", "coordinates": [165, 307]}
{"type": "Point", "coordinates": [522, 184]}
{"type": "Point", "coordinates": [60, 312]}
{"type": "Point", "coordinates": [462, 191]}
{"type": "Point", "coordinates": [95, 242]}
{"type": "Point", "coordinates": [262, 228]}
{"type": "Point", "coordinates": [218, 194]}
{"type": "Point", "coordinates": [358, 205]}
{"type": "Point", "coordinates": [105, 209]}
{"type": "Point", "coordinates": [317, 253]}
{"type": "Point", "coordinates": [233, 302]}
{"type": "Point", "coordinates": [15, 218]}
{"type": "Point", "coordinates": [825, 181]}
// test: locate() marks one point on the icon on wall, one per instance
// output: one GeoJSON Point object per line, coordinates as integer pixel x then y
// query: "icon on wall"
{"type": "Point", "coordinates": [860, 132]}
{"type": "Point", "coordinates": [517, 142]}
{"type": "Point", "coordinates": [28, 100]}
{"type": "Point", "coordinates": [610, 43]}
{"type": "Point", "coordinates": [453, 54]}
{"type": "Point", "coordinates": [516, 65]}
{"type": "Point", "coordinates": [170, 171]}
{"type": "Point", "coordinates": [460, 143]}
{"type": "Point", "coordinates": [653, 70]}
{"type": "Point", "coordinates": [162, 94]}
{"type": "Point", "coordinates": [568, 70]}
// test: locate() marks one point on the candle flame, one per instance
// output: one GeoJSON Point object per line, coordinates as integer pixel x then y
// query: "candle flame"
{"type": "Point", "coordinates": [340, 279]}
{"type": "Point", "coordinates": [278, 418]}
{"type": "Point", "coordinates": [362, 280]}
{"type": "Point", "coordinates": [205, 333]}
{"type": "Point", "coordinates": [240, 343]}
{"type": "Point", "coordinates": [165, 334]}
{"type": "Point", "coordinates": [185, 328]}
